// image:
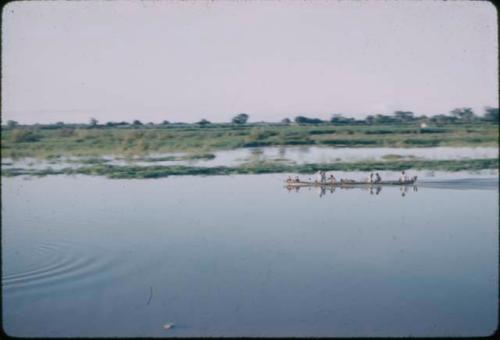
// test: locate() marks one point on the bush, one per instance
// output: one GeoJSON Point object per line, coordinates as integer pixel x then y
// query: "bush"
{"type": "Point", "coordinates": [305, 120]}
{"type": "Point", "coordinates": [242, 118]}
{"type": "Point", "coordinates": [11, 124]}
{"type": "Point", "coordinates": [23, 136]}
{"type": "Point", "coordinates": [203, 122]}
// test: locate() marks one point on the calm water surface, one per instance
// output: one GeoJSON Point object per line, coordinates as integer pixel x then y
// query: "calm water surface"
{"type": "Point", "coordinates": [291, 154]}
{"type": "Point", "coordinates": [242, 256]}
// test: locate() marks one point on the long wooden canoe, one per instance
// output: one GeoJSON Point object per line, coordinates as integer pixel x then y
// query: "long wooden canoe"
{"type": "Point", "coordinates": [340, 184]}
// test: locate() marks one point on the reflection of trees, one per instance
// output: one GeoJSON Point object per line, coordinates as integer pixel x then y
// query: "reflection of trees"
{"type": "Point", "coordinates": [303, 149]}
{"type": "Point", "coordinates": [256, 154]}
{"type": "Point", "coordinates": [282, 152]}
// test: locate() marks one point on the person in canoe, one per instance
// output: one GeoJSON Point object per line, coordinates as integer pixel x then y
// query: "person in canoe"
{"type": "Point", "coordinates": [323, 176]}
{"type": "Point", "coordinates": [371, 178]}
{"type": "Point", "coordinates": [297, 179]}
{"type": "Point", "coordinates": [332, 179]}
{"type": "Point", "coordinates": [402, 176]}
{"type": "Point", "coordinates": [318, 176]}
{"type": "Point", "coordinates": [378, 179]}
{"type": "Point", "coordinates": [289, 179]}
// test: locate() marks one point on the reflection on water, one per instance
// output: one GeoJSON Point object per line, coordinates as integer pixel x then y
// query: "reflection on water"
{"type": "Point", "coordinates": [372, 190]}
{"type": "Point", "coordinates": [87, 256]}
{"type": "Point", "coordinates": [289, 154]}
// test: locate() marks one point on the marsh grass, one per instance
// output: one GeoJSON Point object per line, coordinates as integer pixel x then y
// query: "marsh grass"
{"type": "Point", "coordinates": [393, 157]}
{"type": "Point", "coordinates": [188, 157]}
{"type": "Point", "coordinates": [259, 167]}
{"type": "Point", "coordinates": [137, 141]}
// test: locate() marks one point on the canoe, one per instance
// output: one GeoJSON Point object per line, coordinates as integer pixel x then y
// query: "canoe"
{"type": "Point", "coordinates": [338, 184]}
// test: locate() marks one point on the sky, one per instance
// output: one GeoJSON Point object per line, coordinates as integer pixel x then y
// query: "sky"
{"type": "Point", "coordinates": [187, 60]}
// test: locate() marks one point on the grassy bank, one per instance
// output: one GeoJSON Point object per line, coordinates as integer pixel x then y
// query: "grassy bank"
{"type": "Point", "coordinates": [113, 171]}
{"type": "Point", "coordinates": [131, 141]}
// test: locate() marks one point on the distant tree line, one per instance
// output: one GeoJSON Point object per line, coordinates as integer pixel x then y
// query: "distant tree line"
{"type": "Point", "coordinates": [458, 115]}
{"type": "Point", "coordinates": [465, 115]}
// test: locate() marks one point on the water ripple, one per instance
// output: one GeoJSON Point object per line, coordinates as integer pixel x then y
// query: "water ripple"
{"type": "Point", "coordinates": [61, 262]}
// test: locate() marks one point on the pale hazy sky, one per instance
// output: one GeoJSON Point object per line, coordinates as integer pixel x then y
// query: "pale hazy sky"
{"type": "Point", "coordinates": [183, 61]}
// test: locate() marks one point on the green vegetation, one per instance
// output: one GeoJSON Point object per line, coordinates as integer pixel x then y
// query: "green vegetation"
{"type": "Point", "coordinates": [114, 171]}
{"type": "Point", "coordinates": [392, 157]}
{"type": "Point", "coordinates": [136, 140]}
{"type": "Point", "coordinates": [188, 157]}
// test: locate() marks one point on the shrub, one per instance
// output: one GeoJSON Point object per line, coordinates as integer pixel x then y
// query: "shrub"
{"type": "Point", "coordinates": [305, 120]}
{"type": "Point", "coordinates": [20, 136]}
{"type": "Point", "coordinates": [11, 124]}
{"type": "Point", "coordinates": [203, 122]}
{"type": "Point", "coordinates": [242, 118]}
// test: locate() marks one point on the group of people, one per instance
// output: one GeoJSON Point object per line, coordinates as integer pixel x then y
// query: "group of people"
{"type": "Point", "coordinates": [296, 179]}
{"type": "Point", "coordinates": [321, 178]}
{"type": "Point", "coordinates": [377, 178]}
{"type": "Point", "coordinates": [374, 178]}
{"type": "Point", "coordinates": [405, 178]}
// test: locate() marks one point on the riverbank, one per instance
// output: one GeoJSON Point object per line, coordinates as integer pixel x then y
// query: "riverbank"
{"type": "Point", "coordinates": [118, 171]}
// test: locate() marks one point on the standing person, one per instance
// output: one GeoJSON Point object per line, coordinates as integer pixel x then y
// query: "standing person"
{"type": "Point", "coordinates": [318, 176]}
{"type": "Point", "coordinates": [402, 177]}
{"type": "Point", "coordinates": [371, 177]}
{"type": "Point", "coordinates": [323, 176]}
{"type": "Point", "coordinates": [377, 178]}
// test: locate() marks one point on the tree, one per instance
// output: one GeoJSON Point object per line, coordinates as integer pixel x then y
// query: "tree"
{"type": "Point", "coordinates": [442, 119]}
{"type": "Point", "coordinates": [305, 120]}
{"type": "Point", "coordinates": [286, 121]}
{"type": "Point", "coordinates": [93, 122]}
{"type": "Point", "coordinates": [383, 119]}
{"type": "Point", "coordinates": [464, 114]}
{"type": "Point", "coordinates": [203, 122]}
{"type": "Point", "coordinates": [165, 122]}
{"type": "Point", "coordinates": [370, 119]}
{"type": "Point", "coordinates": [12, 124]}
{"type": "Point", "coordinates": [242, 118]}
{"type": "Point", "coordinates": [136, 122]}
{"type": "Point", "coordinates": [404, 116]}
{"type": "Point", "coordinates": [491, 114]}
{"type": "Point", "coordinates": [340, 119]}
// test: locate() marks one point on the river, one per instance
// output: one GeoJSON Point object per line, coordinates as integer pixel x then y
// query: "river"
{"type": "Point", "coordinates": [242, 256]}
